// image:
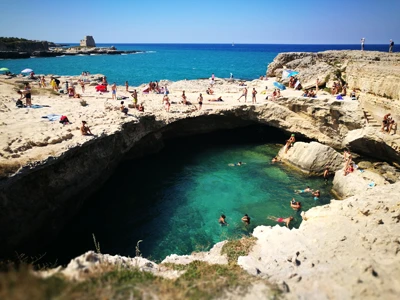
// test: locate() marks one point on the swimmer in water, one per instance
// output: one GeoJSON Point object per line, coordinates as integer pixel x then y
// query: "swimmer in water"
{"type": "Point", "coordinates": [240, 163]}
{"type": "Point", "coordinates": [306, 190]}
{"type": "Point", "coordinates": [316, 195]}
{"type": "Point", "coordinates": [281, 220]}
{"type": "Point", "coordinates": [295, 205]}
{"type": "Point", "coordinates": [246, 219]}
{"type": "Point", "coordinates": [222, 220]}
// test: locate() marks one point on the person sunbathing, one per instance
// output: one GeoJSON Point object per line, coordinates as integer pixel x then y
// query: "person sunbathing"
{"type": "Point", "coordinates": [219, 99]}
{"type": "Point", "coordinates": [281, 220]}
{"type": "Point", "coordinates": [85, 130]}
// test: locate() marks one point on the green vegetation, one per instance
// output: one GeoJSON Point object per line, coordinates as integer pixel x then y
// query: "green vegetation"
{"type": "Point", "coordinates": [235, 248]}
{"type": "Point", "coordinates": [200, 281]}
{"type": "Point", "coordinates": [11, 40]}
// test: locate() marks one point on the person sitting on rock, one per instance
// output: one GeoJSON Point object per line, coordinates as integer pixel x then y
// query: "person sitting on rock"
{"type": "Point", "coordinates": [349, 169]}
{"type": "Point", "coordinates": [392, 125]}
{"type": "Point", "coordinates": [209, 91]}
{"type": "Point", "coordinates": [295, 205]}
{"type": "Point", "coordinates": [281, 220]}
{"type": "Point", "coordinates": [123, 108]}
{"type": "Point", "coordinates": [353, 95]}
{"type": "Point", "coordinates": [385, 122]}
{"type": "Point", "coordinates": [85, 130]}
{"type": "Point", "coordinates": [141, 107]}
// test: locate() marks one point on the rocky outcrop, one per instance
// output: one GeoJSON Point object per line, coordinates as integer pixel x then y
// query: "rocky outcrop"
{"type": "Point", "coordinates": [92, 262]}
{"type": "Point", "coordinates": [356, 183]}
{"type": "Point", "coordinates": [344, 250]}
{"type": "Point", "coordinates": [375, 75]}
{"type": "Point", "coordinates": [371, 142]}
{"type": "Point", "coordinates": [212, 257]}
{"type": "Point", "coordinates": [312, 158]}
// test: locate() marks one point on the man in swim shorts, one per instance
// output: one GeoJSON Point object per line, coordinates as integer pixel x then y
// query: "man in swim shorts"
{"type": "Point", "coordinates": [281, 220]}
{"type": "Point", "coordinates": [114, 91]}
{"type": "Point", "coordinates": [244, 94]}
{"type": "Point", "coordinates": [134, 98]}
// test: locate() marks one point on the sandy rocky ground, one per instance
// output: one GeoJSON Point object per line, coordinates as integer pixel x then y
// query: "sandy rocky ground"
{"type": "Point", "coordinates": [26, 137]}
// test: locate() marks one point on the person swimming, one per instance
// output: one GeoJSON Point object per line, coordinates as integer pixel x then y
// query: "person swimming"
{"type": "Point", "coordinates": [246, 219]}
{"type": "Point", "coordinates": [306, 190]}
{"type": "Point", "coordinates": [295, 205]}
{"type": "Point", "coordinates": [222, 220]}
{"type": "Point", "coordinates": [281, 220]}
{"type": "Point", "coordinates": [240, 163]}
{"type": "Point", "coordinates": [316, 195]}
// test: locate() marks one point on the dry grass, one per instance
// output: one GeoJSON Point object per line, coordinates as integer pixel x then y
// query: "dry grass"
{"type": "Point", "coordinates": [235, 248]}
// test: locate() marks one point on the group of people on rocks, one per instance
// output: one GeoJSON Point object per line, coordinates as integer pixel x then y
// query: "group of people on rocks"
{"type": "Point", "coordinates": [388, 124]}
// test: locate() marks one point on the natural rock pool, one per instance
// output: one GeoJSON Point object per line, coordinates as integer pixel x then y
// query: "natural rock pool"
{"type": "Point", "coordinates": [172, 200]}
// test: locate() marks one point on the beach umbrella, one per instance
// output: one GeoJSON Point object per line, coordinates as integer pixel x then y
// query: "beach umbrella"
{"type": "Point", "coordinates": [4, 69]}
{"type": "Point", "coordinates": [293, 73]}
{"type": "Point", "coordinates": [26, 71]}
{"type": "Point", "coordinates": [279, 85]}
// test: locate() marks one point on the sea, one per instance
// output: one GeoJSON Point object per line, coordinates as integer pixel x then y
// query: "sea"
{"type": "Point", "coordinates": [173, 62]}
{"type": "Point", "coordinates": [170, 202]}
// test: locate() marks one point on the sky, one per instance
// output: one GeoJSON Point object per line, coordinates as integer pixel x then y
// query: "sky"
{"type": "Point", "coordinates": [203, 21]}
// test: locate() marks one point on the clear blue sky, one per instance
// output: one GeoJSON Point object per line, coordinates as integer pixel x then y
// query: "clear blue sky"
{"type": "Point", "coordinates": [204, 21]}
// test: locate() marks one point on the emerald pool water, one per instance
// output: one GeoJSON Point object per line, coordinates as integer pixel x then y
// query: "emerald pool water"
{"type": "Point", "coordinates": [172, 200]}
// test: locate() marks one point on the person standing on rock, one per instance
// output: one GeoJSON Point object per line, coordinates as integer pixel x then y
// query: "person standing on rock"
{"type": "Point", "coordinates": [362, 44]}
{"type": "Point", "coordinates": [316, 85]}
{"type": "Point", "coordinates": [326, 174]}
{"type": "Point", "coordinates": [114, 91]}
{"type": "Point", "coordinates": [244, 94]}
{"type": "Point", "coordinates": [126, 86]}
{"type": "Point", "coordinates": [253, 98]}
{"type": "Point", "coordinates": [135, 98]}
{"type": "Point", "coordinates": [391, 45]}
{"type": "Point", "coordinates": [200, 100]}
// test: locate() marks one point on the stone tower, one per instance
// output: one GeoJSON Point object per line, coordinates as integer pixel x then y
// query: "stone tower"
{"type": "Point", "coordinates": [88, 41]}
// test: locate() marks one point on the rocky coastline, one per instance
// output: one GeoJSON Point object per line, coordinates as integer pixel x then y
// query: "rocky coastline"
{"type": "Point", "coordinates": [40, 195]}
{"type": "Point", "coordinates": [20, 48]}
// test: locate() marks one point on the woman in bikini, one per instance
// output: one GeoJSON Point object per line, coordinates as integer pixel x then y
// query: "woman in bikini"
{"type": "Point", "coordinates": [200, 100]}
{"type": "Point", "coordinates": [166, 103]}
{"type": "Point", "coordinates": [28, 95]}
{"type": "Point", "coordinates": [281, 220]}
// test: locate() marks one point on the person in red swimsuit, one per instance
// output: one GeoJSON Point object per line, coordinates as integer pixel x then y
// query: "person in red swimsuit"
{"type": "Point", "coordinates": [281, 220]}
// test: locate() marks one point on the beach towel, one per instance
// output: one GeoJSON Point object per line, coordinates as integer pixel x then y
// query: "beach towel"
{"type": "Point", "coordinates": [52, 117]}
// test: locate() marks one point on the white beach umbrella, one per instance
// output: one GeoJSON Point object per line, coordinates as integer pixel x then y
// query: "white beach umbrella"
{"type": "Point", "coordinates": [26, 71]}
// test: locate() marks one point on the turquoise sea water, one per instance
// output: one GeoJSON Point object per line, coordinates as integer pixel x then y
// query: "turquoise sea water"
{"type": "Point", "coordinates": [172, 61]}
{"type": "Point", "coordinates": [172, 200]}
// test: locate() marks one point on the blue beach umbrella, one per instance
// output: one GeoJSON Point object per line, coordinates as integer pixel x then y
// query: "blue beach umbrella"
{"type": "Point", "coordinates": [293, 73]}
{"type": "Point", "coordinates": [279, 85]}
